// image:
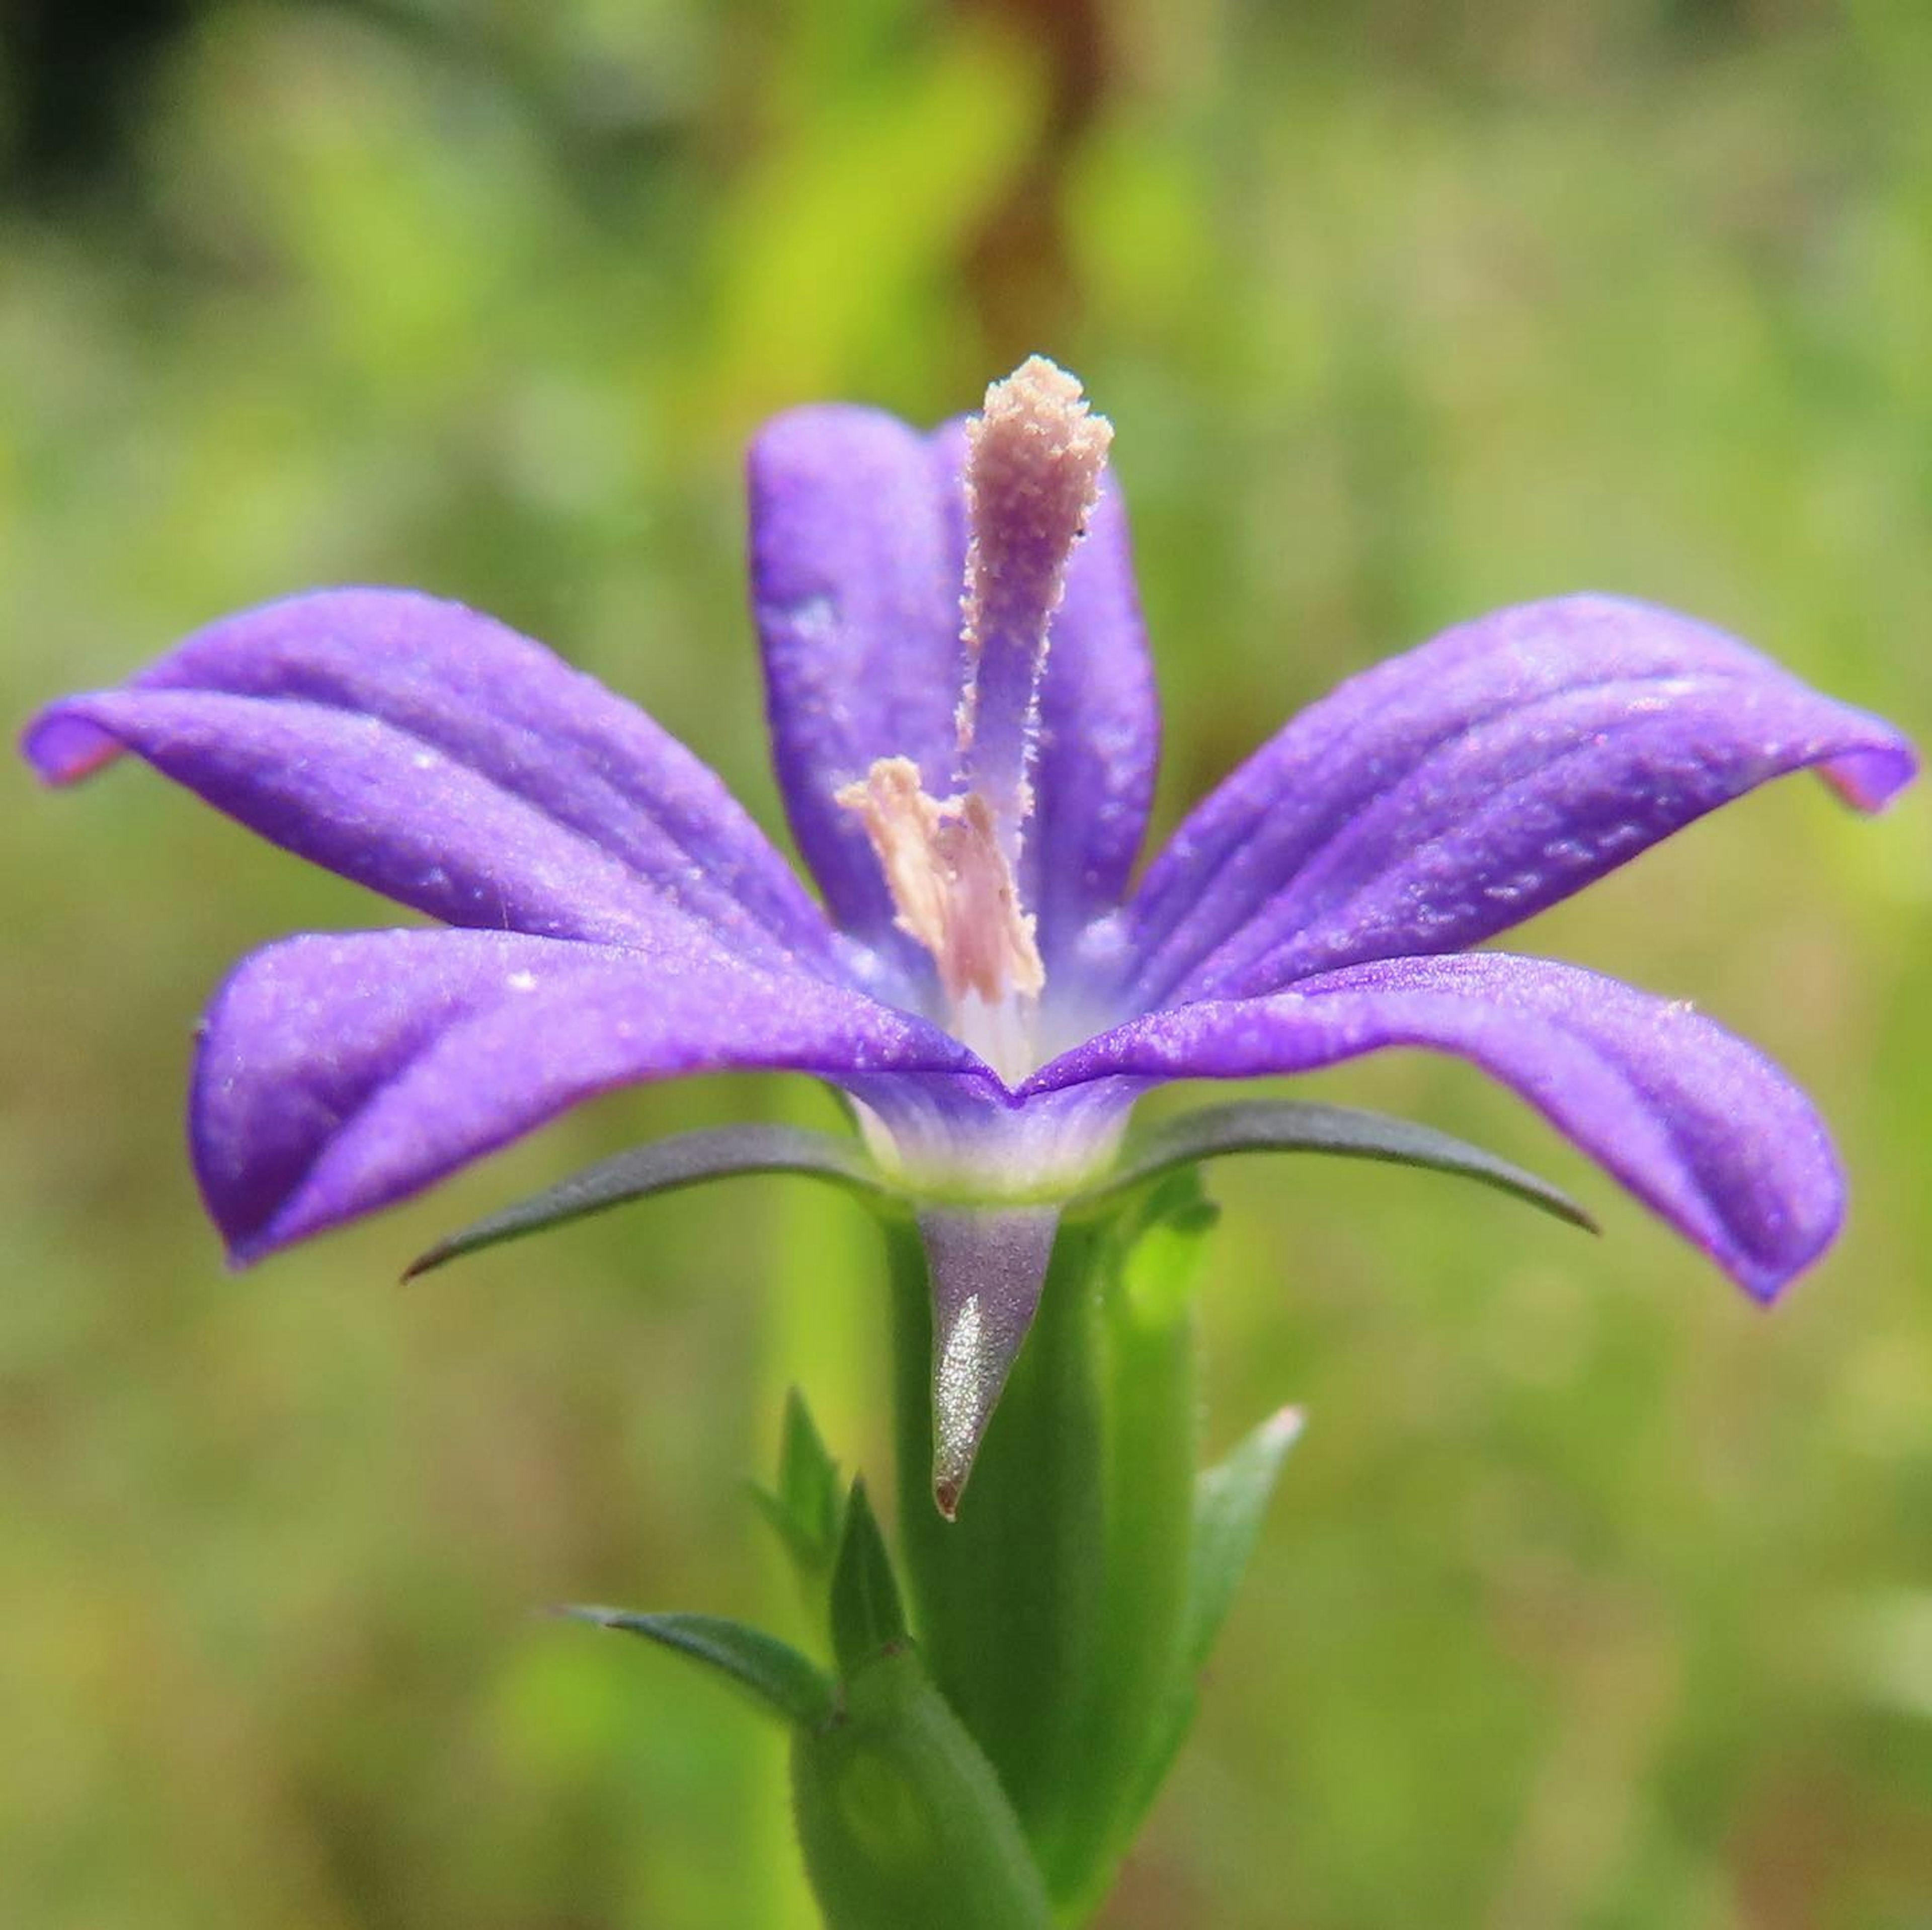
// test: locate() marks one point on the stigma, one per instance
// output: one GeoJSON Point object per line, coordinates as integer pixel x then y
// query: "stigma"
{"type": "Point", "coordinates": [1035, 456]}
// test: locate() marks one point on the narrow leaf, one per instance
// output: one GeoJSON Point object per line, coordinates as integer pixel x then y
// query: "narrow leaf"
{"type": "Point", "coordinates": [807, 1476]}
{"type": "Point", "coordinates": [868, 1617]}
{"type": "Point", "coordinates": [1282, 1125]}
{"type": "Point", "coordinates": [773, 1673]}
{"type": "Point", "coordinates": [1229, 1500]}
{"type": "Point", "coordinates": [688, 1159]}
{"type": "Point", "coordinates": [805, 1510]}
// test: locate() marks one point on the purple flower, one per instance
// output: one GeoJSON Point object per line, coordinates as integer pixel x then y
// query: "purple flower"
{"type": "Point", "coordinates": [982, 980]}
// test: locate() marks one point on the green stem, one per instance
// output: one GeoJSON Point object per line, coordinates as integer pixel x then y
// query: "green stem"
{"type": "Point", "coordinates": [1151, 1354]}
{"type": "Point", "coordinates": [900, 1818]}
{"type": "Point", "coordinates": [1007, 1595]}
{"type": "Point", "coordinates": [1050, 1612]}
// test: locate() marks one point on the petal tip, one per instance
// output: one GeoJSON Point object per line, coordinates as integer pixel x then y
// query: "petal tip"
{"type": "Point", "coordinates": [1871, 780]}
{"type": "Point", "coordinates": [63, 746]}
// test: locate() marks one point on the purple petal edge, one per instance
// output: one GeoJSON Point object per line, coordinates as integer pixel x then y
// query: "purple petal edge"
{"type": "Point", "coordinates": [1701, 1127]}
{"type": "Point", "coordinates": [338, 1074]}
{"type": "Point", "coordinates": [1440, 798]}
{"type": "Point", "coordinates": [431, 754]}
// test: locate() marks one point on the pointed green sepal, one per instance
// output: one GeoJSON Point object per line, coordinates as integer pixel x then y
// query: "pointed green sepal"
{"type": "Point", "coordinates": [687, 1159]}
{"type": "Point", "coordinates": [903, 1823]}
{"type": "Point", "coordinates": [1282, 1126]}
{"type": "Point", "coordinates": [868, 1617]}
{"type": "Point", "coordinates": [1230, 1500]}
{"type": "Point", "coordinates": [774, 1674]}
{"type": "Point", "coordinates": [805, 1511]}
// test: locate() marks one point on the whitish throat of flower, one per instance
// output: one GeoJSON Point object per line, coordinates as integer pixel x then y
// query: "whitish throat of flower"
{"type": "Point", "coordinates": [1034, 457]}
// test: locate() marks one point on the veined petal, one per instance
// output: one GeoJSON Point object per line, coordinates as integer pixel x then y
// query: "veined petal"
{"type": "Point", "coordinates": [1702, 1128]}
{"type": "Point", "coordinates": [856, 577]}
{"type": "Point", "coordinates": [434, 755]}
{"type": "Point", "coordinates": [1449, 794]}
{"type": "Point", "coordinates": [858, 563]}
{"type": "Point", "coordinates": [339, 1073]}
{"type": "Point", "coordinates": [1100, 740]}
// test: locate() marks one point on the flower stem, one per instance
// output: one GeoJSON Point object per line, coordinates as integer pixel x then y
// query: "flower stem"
{"type": "Point", "coordinates": [1007, 1596]}
{"type": "Point", "coordinates": [1050, 1612]}
{"type": "Point", "coordinates": [1150, 1359]}
{"type": "Point", "coordinates": [901, 1819]}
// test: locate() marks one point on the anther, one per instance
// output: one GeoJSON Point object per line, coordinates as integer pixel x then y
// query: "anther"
{"type": "Point", "coordinates": [1035, 455]}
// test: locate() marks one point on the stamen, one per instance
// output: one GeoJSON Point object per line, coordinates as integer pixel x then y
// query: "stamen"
{"type": "Point", "coordinates": [951, 884]}
{"type": "Point", "coordinates": [1034, 459]}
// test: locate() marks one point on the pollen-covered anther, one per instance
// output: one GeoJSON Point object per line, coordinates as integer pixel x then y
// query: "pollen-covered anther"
{"type": "Point", "coordinates": [1035, 456]}
{"type": "Point", "coordinates": [952, 888]}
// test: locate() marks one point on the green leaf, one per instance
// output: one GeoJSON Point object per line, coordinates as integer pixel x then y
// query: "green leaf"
{"type": "Point", "coordinates": [1281, 1125]}
{"type": "Point", "coordinates": [902, 1821]}
{"type": "Point", "coordinates": [807, 1476]}
{"type": "Point", "coordinates": [1229, 1500]}
{"type": "Point", "coordinates": [780, 1680]}
{"type": "Point", "coordinates": [804, 1512]}
{"type": "Point", "coordinates": [688, 1159]}
{"type": "Point", "coordinates": [867, 1615]}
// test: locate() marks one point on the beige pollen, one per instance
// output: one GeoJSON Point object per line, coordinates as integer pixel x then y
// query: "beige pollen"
{"type": "Point", "coordinates": [1034, 457]}
{"type": "Point", "coordinates": [952, 887]}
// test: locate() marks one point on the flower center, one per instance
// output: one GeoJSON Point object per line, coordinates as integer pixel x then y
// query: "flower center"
{"type": "Point", "coordinates": [1034, 457]}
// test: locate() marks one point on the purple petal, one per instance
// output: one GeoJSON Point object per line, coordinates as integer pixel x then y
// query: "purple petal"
{"type": "Point", "coordinates": [1451, 794]}
{"type": "Point", "coordinates": [438, 757]}
{"type": "Point", "coordinates": [1099, 740]}
{"type": "Point", "coordinates": [339, 1073]}
{"type": "Point", "coordinates": [1702, 1128]}
{"type": "Point", "coordinates": [858, 561]}
{"type": "Point", "coordinates": [856, 577]}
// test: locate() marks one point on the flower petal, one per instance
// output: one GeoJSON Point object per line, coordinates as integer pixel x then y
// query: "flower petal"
{"type": "Point", "coordinates": [339, 1073]}
{"type": "Point", "coordinates": [1100, 740]}
{"type": "Point", "coordinates": [1702, 1128]}
{"type": "Point", "coordinates": [858, 561]}
{"type": "Point", "coordinates": [1451, 794]}
{"type": "Point", "coordinates": [857, 566]}
{"type": "Point", "coordinates": [438, 757]}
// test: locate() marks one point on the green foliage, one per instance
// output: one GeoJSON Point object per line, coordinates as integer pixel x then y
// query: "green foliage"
{"type": "Point", "coordinates": [1276, 1126]}
{"type": "Point", "coordinates": [1230, 1500]}
{"type": "Point", "coordinates": [1597, 1598]}
{"type": "Point", "coordinates": [806, 1512]}
{"type": "Point", "coordinates": [867, 1618]}
{"type": "Point", "coordinates": [780, 1681]}
{"type": "Point", "coordinates": [643, 1172]}
{"type": "Point", "coordinates": [901, 1817]}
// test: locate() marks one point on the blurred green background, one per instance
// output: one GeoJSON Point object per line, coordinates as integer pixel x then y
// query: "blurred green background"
{"type": "Point", "coordinates": [1594, 1597]}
